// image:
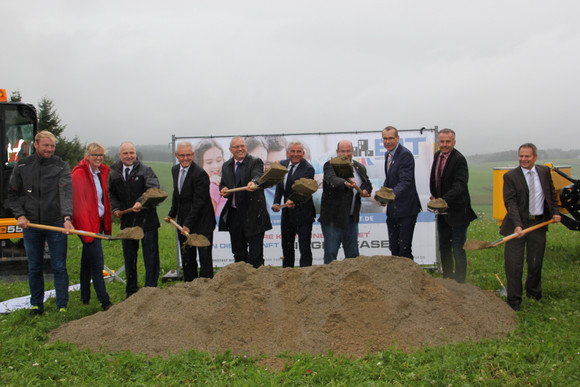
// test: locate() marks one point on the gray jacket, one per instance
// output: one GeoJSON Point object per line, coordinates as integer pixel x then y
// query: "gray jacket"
{"type": "Point", "coordinates": [41, 190]}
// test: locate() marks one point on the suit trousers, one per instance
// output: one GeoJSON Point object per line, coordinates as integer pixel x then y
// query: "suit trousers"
{"type": "Point", "coordinates": [249, 249]}
{"type": "Point", "coordinates": [289, 232]}
{"type": "Point", "coordinates": [189, 259]}
{"type": "Point", "coordinates": [534, 244]}
{"type": "Point", "coordinates": [452, 254]}
{"type": "Point", "coordinates": [401, 235]}
{"type": "Point", "coordinates": [150, 243]}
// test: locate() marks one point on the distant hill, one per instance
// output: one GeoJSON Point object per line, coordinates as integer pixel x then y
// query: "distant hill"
{"type": "Point", "coordinates": [543, 154]}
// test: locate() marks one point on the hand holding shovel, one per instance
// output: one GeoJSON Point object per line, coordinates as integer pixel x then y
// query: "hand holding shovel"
{"type": "Point", "coordinates": [343, 168]}
{"type": "Point", "coordinates": [270, 178]}
{"type": "Point", "coordinates": [196, 240]}
{"type": "Point", "coordinates": [474, 244]}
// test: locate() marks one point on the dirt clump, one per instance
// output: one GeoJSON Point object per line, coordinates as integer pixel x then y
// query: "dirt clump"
{"type": "Point", "coordinates": [351, 307]}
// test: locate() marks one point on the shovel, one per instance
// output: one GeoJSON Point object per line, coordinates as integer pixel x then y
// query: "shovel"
{"type": "Point", "coordinates": [128, 233]}
{"type": "Point", "coordinates": [151, 198]}
{"type": "Point", "coordinates": [196, 240]}
{"type": "Point", "coordinates": [270, 178]}
{"type": "Point", "coordinates": [344, 169]}
{"type": "Point", "coordinates": [303, 189]}
{"type": "Point", "coordinates": [503, 291]}
{"type": "Point", "coordinates": [474, 244]}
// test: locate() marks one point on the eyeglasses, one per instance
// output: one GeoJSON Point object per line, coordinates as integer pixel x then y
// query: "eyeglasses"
{"type": "Point", "coordinates": [97, 155]}
{"type": "Point", "coordinates": [184, 155]}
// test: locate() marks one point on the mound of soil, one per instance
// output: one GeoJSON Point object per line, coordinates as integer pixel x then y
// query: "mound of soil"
{"type": "Point", "coordinates": [350, 307]}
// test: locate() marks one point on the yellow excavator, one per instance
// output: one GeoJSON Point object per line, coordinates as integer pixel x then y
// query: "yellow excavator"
{"type": "Point", "coordinates": [18, 126]}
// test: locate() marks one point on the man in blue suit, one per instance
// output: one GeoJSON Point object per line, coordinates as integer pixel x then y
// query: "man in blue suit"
{"type": "Point", "coordinates": [297, 218]}
{"type": "Point", "coordinates": [400, 177]}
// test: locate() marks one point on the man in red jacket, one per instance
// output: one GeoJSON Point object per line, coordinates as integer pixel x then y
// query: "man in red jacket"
{"type": "Point", "coordinates": [91, 212]}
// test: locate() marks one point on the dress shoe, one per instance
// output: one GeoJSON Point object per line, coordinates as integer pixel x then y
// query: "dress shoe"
{"type": "Point", "coordinates": [515, 307]}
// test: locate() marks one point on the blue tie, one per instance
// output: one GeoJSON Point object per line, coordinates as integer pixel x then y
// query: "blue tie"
{"type": "Point", "coordinates": [237, 180]}
{"type": "Point", "coordinates": [289, 179]}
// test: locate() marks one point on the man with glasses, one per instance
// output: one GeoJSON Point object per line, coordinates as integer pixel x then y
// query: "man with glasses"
{"type": "Point", "coordinates": [192, 209]}
{"type": "Point", "coordinates": [245, 215]}
{"type": "Point", "coordinates": [40, 191]}
{"type": "Point", "coordinates": [128, 180]}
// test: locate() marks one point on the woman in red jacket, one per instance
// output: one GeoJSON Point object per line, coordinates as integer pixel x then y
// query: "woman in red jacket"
{"type": "Point", "coordinates": [91, 212]}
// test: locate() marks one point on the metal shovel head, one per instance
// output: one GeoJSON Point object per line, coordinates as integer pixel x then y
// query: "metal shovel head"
{"type": "Point", "coordinates": [342, 167]}
{"type": "Point", "coordinates": [305, 186]}
{"type": "Point", "coordinates": [385, 195]}
{"type": "Point", "coordinates": [298, 197]}
{"type": "Point", "coordinates": [273, 175]}
{"type": "Point", "coordinates": [197, 240]}
{"type": "Point", "coordinates": [474, 244]}
{"type": "Point", "coordinates": [437, 206]}
{"type": "Point", "coordinates": [153, 197]}
{"type": "Point", "coordinates": [130, 233]}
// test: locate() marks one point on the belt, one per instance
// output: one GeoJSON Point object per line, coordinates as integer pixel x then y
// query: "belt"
{"type": "Point", "coordinates": [535, 217]}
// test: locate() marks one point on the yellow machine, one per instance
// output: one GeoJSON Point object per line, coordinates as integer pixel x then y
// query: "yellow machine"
{"type": "Point", "coordinates": [18, 126]}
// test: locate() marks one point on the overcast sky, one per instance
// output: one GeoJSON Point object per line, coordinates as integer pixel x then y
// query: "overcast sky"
{"type": "Point", "coordinates": [497, 72]}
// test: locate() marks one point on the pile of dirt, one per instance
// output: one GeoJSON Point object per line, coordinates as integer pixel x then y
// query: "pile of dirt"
{"type": "Point", "coordinates": [350, 307]}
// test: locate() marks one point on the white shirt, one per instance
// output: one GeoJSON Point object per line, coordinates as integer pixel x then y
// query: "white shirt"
{"type": "Point", "coordinates": [99, 190]}
{"type": "Point", "coordinates": [538, 199]}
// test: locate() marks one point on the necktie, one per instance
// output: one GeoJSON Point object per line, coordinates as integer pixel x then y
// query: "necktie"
{"type": "Point", "coordinates": [237, 173]}
{"type": "Point", "coordinates": [532, 186]}
{"type": "Point", "coordinates": [389, 161]}
{"type": "Point", "coordinates": [439, 174]}
{"type": "Point", "coordinates": [181, 178]}
{"type": "Point", "coordinates": [127, 173]}
{"type": "Point", "coordinates": [289, 179]}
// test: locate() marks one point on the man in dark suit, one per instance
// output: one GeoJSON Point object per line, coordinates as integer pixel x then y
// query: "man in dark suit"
{"type": "Point", "coordinates": [400, 177]}
{"type": "Point", "coordinates": [245, 215]}
{"type": "Point", "coordinates": [448, 181]}
{"type": "Point", "coordinates": [340, 207]}
{"type": "Point", "coordinates": [530, 198]}
{"type": "Point", "coordinates": [128, 180]}
{"type": "Point", "coordinates": [297, 218]}
{"type": "Point", "coordinates": [192, 208]}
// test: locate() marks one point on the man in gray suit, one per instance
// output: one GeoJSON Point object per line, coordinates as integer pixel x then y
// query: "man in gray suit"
{"type": "Point", "coordinates": [530, 198]}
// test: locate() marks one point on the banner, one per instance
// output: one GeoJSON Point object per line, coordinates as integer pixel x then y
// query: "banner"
{"type": "Point", "coordinates": [211, 153]}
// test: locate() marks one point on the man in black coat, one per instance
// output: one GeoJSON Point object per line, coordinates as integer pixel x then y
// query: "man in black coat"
{"type": "Point", "coordinates": [530, 198]}
{"type": "Point", "coordinates": [297, 218]}
{"type": "Point", "coordinates": [448, 181]}
{"type": "Point", "coordinates": [340, 207]}
{"type": "Point", "coordinates": [128, 180]}
{"type": "Point", "coordinates": [191, 207]}
{"type": "Point", "coordinates": [245, 215]}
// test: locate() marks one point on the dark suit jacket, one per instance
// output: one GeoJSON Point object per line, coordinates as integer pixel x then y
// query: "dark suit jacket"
{"type": "Point", "coordinates": [192, 207]}
{"type": "Point", "coordinates": [516, 198]}
{"type": "Point", "coordinates": [302, 213]}
{"type": "Point", "coordinates": [454, 189]}
{"type": "Point", "coordinates": [256, 218]}
{"type": "Point", "coordinates": [401, 179]}
{"type": "Point", "coordinates": [337, 198]}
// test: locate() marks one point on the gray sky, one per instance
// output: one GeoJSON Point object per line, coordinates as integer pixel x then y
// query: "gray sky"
{"type": "Point", "coordinates": [497, 72]}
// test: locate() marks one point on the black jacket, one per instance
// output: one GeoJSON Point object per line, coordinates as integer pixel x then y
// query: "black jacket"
{"type": "Point", "coordinates": [256, 218]}
{"type": "Point", "coordinates": [41, 190]}
{"type": "Point", "coordinates": [454, 189]}
{"type": "Point", "coordinates": [124, 194]}
{"type": "Point", "coordinates": [337, 198]}
{"type": "Point", "coordinates": [192, 207]}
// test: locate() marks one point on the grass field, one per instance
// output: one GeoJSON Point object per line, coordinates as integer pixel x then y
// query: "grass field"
{"type": "Point", "coordinates": [543, 350]}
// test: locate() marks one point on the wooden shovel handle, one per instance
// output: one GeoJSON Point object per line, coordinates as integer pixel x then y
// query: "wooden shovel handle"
{"type": "Point", "coordinates": [239, 189]}
{"type": "Point", "coordinates": [173, 222]}
{"type": "Point", "coordinates": [524, 231]}
{"type": "Point", "coordinates": [121, 213]}
{"type": "Point", "coordinates": [78, 232]}
{"type": "Point", "coordinates": [356, 187]}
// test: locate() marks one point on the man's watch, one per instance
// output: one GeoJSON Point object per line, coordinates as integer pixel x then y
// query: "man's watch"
{"type": "Point", "coordinates": [67, 219]}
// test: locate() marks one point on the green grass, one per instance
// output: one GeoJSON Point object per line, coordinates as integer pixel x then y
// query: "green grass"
{"type": "Point", "coordinates": [543, 350]}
